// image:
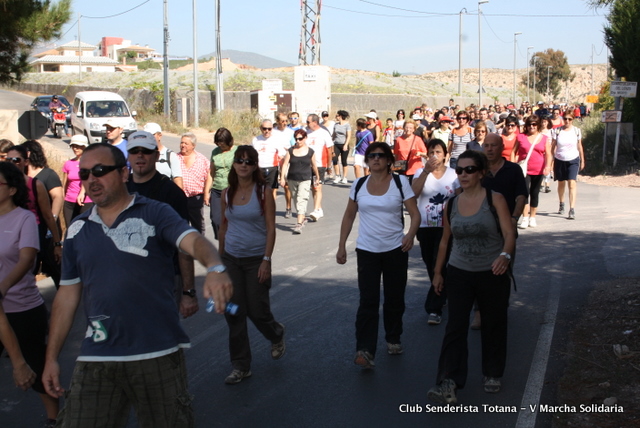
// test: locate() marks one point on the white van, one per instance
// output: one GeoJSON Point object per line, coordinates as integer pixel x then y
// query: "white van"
{"type": "Point", "coordinates": [92, 109]}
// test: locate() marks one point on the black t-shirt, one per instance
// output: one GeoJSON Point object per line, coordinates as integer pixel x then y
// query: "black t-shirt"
{"type": "Point", "coordinates": [163, 189]}
{"type": "Point", "coordinates": [508, 181]}
{"type": "Point", "coordinates": [49, 178]}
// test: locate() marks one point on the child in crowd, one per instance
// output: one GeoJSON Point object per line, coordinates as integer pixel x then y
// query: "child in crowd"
{"type": "Point", "coordinates": [389, 133]}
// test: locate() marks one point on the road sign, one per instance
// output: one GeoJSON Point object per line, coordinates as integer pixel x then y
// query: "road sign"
{"type": "Point", "coordinates": [609, 116]}
{"type": "Point", "coordinates": [32, 125]}
{"type": "Point", "coordinates": [624, 89]}
{"type": "Point", "coordinates": [593, 99]}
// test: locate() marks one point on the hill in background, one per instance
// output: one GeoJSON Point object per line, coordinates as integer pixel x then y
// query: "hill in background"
{"type": "Point", "coordinates": [250, 59]}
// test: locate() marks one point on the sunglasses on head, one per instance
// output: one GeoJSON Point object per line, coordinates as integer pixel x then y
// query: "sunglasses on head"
{"type": "Point", "coordinates": [138, 150]}
{"type": "Point", "coordinates": [14, 160]}
{"type": "Point", "coordinates": [241, 161]}
{"type": "Point", "coordinates": [97, 171]}
{"type": "Point", "coordinates": [468, 169]}
{"type": "Point", "coordinates": [376, 155]}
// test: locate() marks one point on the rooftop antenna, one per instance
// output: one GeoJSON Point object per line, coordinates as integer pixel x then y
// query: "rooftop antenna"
{"type": "Point", "coordinates": [310, 33]}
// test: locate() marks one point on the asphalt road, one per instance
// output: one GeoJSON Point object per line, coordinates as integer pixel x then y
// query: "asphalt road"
{"type": "Point", "coordinates": [316, 384]}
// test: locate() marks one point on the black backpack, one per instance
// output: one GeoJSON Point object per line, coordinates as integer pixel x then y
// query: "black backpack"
{"type": "Point", "coordinates": [396, 179]}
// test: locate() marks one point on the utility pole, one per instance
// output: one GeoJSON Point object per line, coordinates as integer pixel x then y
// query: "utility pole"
{"type": "Point", "coordinates": [515, 44]}
{"type": "Point", "coordinates": [196, 121]}
{"type": "Point", "coordinates": [460, 54]}
{"type": "Point", "coordinates": [79, 50]}
{"type": "Point", "coordinates": [481, 2]}
{"type": "Point", "coordinates": [528, 81]}
{"type": "Point", "coordinates": [219, 75]}
{"type": "Point", "coordinates": [165, 60]}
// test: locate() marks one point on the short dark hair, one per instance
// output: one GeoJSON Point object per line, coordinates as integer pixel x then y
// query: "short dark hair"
{"type": "Point", "coordinates": [5, 145]}
{"type": "Point", "coordinates": [437, 142]}
{"type": "Point", "coordinates": [37, 158]}
{"type": "Point", "coordinates": [361, 123]}
{"type": "Point", "coordinates": [223, 135]}
{"type": "Point", "coordinates": [301, 132]}
{"type": "Point", "coordinates": [117, 155]}
{"type": "Point", "coordinates": [343, 114]}
{"type": "Point", "coordinates": [15, 178]}
{"type": "Point", "coordinates": [20, 149]}
{"type": "Point", "coordinates": [387, 152]}
{"type": "Point", "coordinates": [479, 158]}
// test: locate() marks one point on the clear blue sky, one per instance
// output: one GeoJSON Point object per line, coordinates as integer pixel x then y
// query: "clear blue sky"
{"type": "Point", "coordinates": [375, 38]}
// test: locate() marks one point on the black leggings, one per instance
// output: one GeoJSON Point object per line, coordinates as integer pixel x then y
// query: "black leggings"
{"type": "Point", "coordinates": [341, 153]}
{"type": "Point", "coordinates": [533, 184]}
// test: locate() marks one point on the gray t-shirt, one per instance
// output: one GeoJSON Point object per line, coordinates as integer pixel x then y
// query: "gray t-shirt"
{"type": "Point", "coordinates": [246, 230]}
{"type": "Point", "coordinates": [340, 133]}
{"type": "Point", "coordinates": [476, 239]}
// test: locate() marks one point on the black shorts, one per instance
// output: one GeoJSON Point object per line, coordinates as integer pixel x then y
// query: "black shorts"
{"type": "Point", "coordinates": [322, 172]}
{"type": "Point", "coordinates": [270, 176]}
{"type": "Point", "coordinates": [566, 170]}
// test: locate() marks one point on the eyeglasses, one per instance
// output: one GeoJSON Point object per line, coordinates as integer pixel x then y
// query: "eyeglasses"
{"type": "Point", "coordinates": [241, 161]}
{"type": "Point", "coordinates": [376, 155]}
{"type": "Point", "coordinates": [97, 171]}
{"type": "Point", "coordinates": [484, 131]}
{"type": "Point", "coordinates": [266, 129]}
{"type": "Point", "coordinates": [511, 125]}
{"type": "Point", "coordinates": [468, 169]}
{"type": "Point", "coordinates": [463, 117]}
{"type": "Point", "coordinates": [300, 138]}
{"type": "Point", "coordinates": [14, 160]}
{"type": "Point", "coordinates": [138, 150]}
{"type": "Point", "coordinates": [568, 119]}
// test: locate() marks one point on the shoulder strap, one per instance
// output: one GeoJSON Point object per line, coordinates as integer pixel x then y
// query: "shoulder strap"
{"type": "Point", "coordinates": [396, 178]}
{"type": "Point", "coordinates": [168, 154]}
{"type": "Point", "coordinates": [359, 184]}
{"type": "Point", "coordinates": [493, 210]}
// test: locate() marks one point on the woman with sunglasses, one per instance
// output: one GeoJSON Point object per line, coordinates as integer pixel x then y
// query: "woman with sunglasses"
{"type": "Point", "coordinates": [434, 184]}
{"type": "Point", "coordinates": [510, 132]}
{"type": "Point", "coordinates": [75, 199]}
{"type": "Point", "coordinates": [568, 161]}
{"type": "Point", "coordinates": [460, 136]}
{"type": "Point", "coordinates": [382, 250]}
{"type": "Point", "coordinates": [19, 295]}
{"type": "Point", "coordinates": [298, 164]}
{"type": "Point", "coordinates": [480, 132]}
{"type": "Point", "coordinates": [221, 163]}
{"type": "Point", "coordinates": [247, 237]}
{"type": "Point", "coordinates": [39, 202]}
{"type": "Point", "coordinates": [480, 252]}
{"type": "Point", "coordinates": [539, 164]}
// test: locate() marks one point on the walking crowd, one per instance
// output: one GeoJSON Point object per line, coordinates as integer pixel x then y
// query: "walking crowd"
{"type": "Point", "coordinates": [467, 178]}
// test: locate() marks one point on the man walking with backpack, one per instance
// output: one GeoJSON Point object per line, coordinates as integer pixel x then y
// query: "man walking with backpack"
{"type": "Point", "coordinates": [168, 162]}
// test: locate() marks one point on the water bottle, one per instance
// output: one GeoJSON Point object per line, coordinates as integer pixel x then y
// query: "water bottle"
{"type": "Point", "coordinates": [231, 308]}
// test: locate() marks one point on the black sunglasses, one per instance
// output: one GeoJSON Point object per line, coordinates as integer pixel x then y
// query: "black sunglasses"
{"type": "Point", "coordinates": [468, 169]}
{"type": "Point", "coordinates": [376, 155]}
{"type": "Point", "coordinates": [241, 161]}
{"type": "Point", "coordinates": [15, 160]}
{"type": "Point", "coordinates": [300, 138]}
{"type": "Point", "coordinates": [265, 129]}
{"type": "Point", "coordinates": [138, 150]}
{"type": "Point", "coordinates": [97, 171]}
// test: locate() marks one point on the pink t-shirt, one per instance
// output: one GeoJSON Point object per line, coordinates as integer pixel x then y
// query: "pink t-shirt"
{"type": "Point", "coordinates": [536, 160]}
{"type": "Point", "coordinates": [72, 168]}
{"type": "Point", "coordinates": [18, 230]}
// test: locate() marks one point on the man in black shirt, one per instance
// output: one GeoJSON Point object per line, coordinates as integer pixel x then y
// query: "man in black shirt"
{"type": "Point", "coordinates": [146, 181]}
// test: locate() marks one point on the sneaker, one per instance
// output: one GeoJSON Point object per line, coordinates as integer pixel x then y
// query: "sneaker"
{"type": "Point", "coordinates": [344, 180]}
{"type": "Point", "coordinates": [547, 189]}
{"type": "Point", "coordinates": [444, 393]}
{"type": "Point", "coordinates": [287, 214]}
{"type": "Point", "coordinates": [297, 229]}
{"type": "Point", "coordinates": [337, 180]}
{"type": "Point", "coordinates": [572, 214]}
{"type": "Point", "coordinates": [236, 376]}
{"type": "Point", "coordinates": [278, 349]}
{"type": "Point", "coordinates": [491, 384]}
{"type": "Point", "coordinates": [364, 359]}
{"type": "Point", "coordinates": [434, 319]}
{"type": "Point", "coordinates": [561, 209]}
{"type": "Point", "coordinates": [395, 348]}
{"type": "Point", "coordinates": [533, 222]}
{"type": "Point", "coordinates": [317, 214]}
{"type": "Point", "coordinates": [524, 223]}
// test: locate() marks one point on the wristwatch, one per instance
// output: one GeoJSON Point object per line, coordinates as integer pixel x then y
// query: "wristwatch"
{"type": "Point", "coordinates": [57, 244]}
{"type": "Point", "coordinates": [266, 258]}
{"type": "Point", "coordinates": [190, 292]}
{"type": "Point", "coordinates": [217, 269]}
{"type": "Point", "coordinates": [506, 255]}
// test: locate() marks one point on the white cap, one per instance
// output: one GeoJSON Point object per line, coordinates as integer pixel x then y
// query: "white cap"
{"type": "Point", "coordinates": [371, 115]}
{"type": "Point", "coordinates": [142, 139]}
{"type": "Point", "coordinates": [79, 140]}
{"type": "Point", "coordinates": [416, 117]}
{"type": "Point", "coordinates": [152, 128]}
{"type": "Point", "coordinates": [111, 123]}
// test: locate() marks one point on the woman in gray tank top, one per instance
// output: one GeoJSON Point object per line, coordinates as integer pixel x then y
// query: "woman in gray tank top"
{"type": "Point", "coordinates": [481, 247]}
{"type": "Point", "coordinates": [246, 239]}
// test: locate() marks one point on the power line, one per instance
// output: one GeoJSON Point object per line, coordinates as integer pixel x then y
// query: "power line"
{"type": "Point", "coordinates": [408, 10]}
{"type": "Point", "coordinates": [376, 14]}
{"type": "Point", "coordinates": [117, 14]}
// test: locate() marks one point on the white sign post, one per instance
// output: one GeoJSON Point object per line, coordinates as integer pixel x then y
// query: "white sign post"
{"type": "Point", "coordinates": [623, 90]}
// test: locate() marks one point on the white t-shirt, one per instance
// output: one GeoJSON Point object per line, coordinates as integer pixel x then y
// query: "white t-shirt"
{"type": "Point", "coordinates": [318, 140]}
{"type": "Point", "coordinates": [567, 143]}
{"type": "Point", "coordinates": [269, 151]}
{"type": "Point", "coordinates": [285, 137]}
{"type": "Point", "coordinates": [329, 126]}
{"type": "Point", "coordinates": [434, 194]}
{"type": "Point", "coordinates": [381, 227]}
{"type": "Point", "coordinates": [162, 165]}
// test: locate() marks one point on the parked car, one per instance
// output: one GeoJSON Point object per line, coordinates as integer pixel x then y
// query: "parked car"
{"type": "Point", "coordinates": [94, 108]}
{"type": "Point", "coordinates": [41, 104]}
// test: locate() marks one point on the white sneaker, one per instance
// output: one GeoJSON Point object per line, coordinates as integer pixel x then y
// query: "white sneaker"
{"type": "Point", "coordinates": [524, 223]}
{"type": "Point", "coordinates": [337, 179]}
{"type": "Point", "coordinates": [317, 214]}
{"type": "Point", "coordinates": [532, 222]}
{"type": "Point", "coordinates": [344, 180]}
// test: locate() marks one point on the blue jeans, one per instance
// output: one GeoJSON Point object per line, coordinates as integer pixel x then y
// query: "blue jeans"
{"type": "Point", "coordinates": [392, 266]}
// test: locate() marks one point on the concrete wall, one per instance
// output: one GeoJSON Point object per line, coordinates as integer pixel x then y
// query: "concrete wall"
{"type": "Point", "coordinates": [9, 125]}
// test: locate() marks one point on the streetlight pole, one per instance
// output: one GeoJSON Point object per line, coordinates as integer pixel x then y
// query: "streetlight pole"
{"type": "Point", "coordinates": [460, 54]}
{"type": "Point", "coordinates": [196, 121]}
{"type": "Point", "coordinates": [515, 44]}
{"type": "Point", "coordinates": [528, 97]}
{"type": "Point", "coordinates": [481, 2]}
{"type": "Point", "coordinates": [549, 67]}
{"type": "Point", "coordinates": [165, 61]}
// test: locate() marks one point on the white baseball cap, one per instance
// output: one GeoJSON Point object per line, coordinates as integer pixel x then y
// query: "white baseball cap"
{"type": "Point", "coordinates": [142, 139]}
{"type": "Point", "coordinates": [152, 128]}
{"type": "Point", "coordinates": [79, 140]}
